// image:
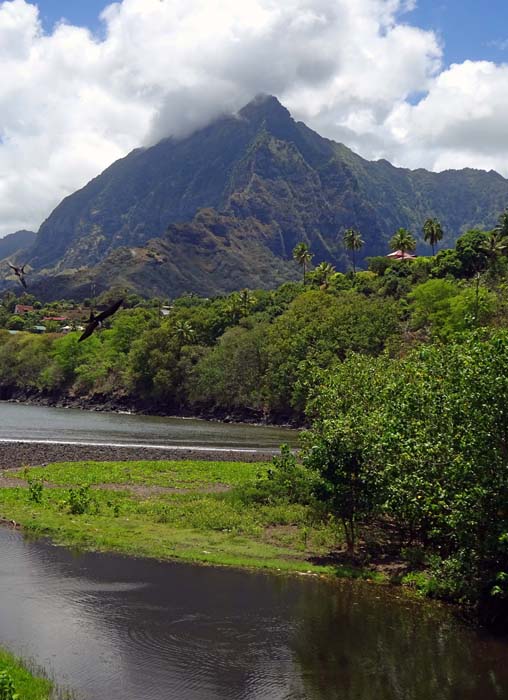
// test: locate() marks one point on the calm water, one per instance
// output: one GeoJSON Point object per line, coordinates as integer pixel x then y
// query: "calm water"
{"type": "Point", "coordinates": [19, 422]}
{"type": "Point", "coordinates": [124, 629]}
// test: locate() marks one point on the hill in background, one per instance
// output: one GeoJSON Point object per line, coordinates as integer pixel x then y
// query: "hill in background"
{"type": "Point", "coordinates": [223, 208]}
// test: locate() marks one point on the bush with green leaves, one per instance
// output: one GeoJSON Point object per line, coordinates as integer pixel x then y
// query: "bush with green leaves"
{"type": "Point", "coordinates": [81, 501]}
{"type": "Point", "coordinates": [287, 480]}
{"type": "Point", "coordinates": [7, 689]}
{"type": "Point", "coordinates": [35, 489]}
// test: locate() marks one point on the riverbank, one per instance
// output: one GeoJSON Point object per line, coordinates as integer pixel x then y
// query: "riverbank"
{"type": "Point", "coordinates": [126, 404]}
{"type": "Point", "coordinates": [27, 685]}
{"type": "Point", "coordinates": [189, 510]}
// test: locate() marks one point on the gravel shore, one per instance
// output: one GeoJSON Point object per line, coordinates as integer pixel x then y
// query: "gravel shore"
{"type": "Point", "coordinates": [19, 454]}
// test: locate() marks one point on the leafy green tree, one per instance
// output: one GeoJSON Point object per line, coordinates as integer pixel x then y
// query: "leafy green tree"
{"type": "Point", "coordinates": [432, 233]}
{"type": "Point", "coordinates": [404, 241]}
{"type": "Point", "coordinates": [303, 257]}
{"type": "Point", "coordinates": [231, 375]}
{"type": "Point", "coordinates": [472, 251]}
{"type": "Point", "coordinates": [354, 243]}
{"type": "Point", "coordinates": [343, 407]}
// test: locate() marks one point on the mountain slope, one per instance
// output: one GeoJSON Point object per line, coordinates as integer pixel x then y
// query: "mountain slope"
{"type": "Point", "coordinates": [225, 206]}
{"type": "Point", "coordinates": [14, 242]}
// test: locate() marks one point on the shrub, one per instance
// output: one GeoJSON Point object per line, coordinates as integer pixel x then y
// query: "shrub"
{"type": "Point", "coordinates": [7, 689]}
{"type": "Point", "coordinates": [81, 501]}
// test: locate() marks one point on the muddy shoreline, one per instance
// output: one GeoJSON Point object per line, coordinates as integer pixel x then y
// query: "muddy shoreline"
{"type": "Point", "coordinates": [20, 454]}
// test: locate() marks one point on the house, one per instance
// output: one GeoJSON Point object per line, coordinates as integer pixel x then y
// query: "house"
{"type": "Point", "coordinates": [55, 318]}
{"type": "Point", "coordinates": [21, 309]}
{"type": "Point", "coordinates": [401, 255]}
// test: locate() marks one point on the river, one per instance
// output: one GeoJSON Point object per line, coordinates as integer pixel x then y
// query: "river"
{"type": "Point", "coordinates": [70, 425]}
{"type": "Point", "coordinates": [126, 629]}
{"type": "Point", "coordinates": [129, 629]}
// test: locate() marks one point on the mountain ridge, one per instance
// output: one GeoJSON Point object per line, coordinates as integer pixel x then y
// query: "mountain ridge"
{"type": "Point", "coordinates": [230, 201]}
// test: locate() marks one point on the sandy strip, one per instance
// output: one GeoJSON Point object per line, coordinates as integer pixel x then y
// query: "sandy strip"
{"type": "Point", "coordinates": [21, 453]}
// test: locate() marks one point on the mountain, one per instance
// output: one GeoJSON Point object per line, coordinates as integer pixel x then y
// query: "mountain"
{"type": "Point", "coordinates": [14, 242]}
{"type": "Point", "coordinates": [223, 208]}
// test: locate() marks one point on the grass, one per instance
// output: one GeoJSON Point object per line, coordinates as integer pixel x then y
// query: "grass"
{"type": "Point", "coordinates": [193, 523]}
{"type": "Point", "coordinates": [26, 685]}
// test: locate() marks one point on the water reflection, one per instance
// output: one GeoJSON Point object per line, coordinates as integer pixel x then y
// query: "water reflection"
{"type": "Point", "coordinates": [130, 629]}
{"type": "Point", "coordinates": [368, 643]}
{"type": "Point", "coordinates": [66, 424]}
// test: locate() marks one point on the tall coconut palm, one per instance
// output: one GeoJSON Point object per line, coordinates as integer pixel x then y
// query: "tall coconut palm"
{"type": "Point", "coordinates": [354, 242]}
{"type": "Point", "coordinates": [432, 233]}
{"type": "Point", "coordinates": [303, 257]}
{"type": "Point", "coordinates": [404, 241]}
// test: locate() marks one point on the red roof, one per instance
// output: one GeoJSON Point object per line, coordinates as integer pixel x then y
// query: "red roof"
{"type": "Point", "coordinates": [399, 255]}
{"type": "Point", "coordinates": [22, 309]}
{"type": "Point", "coordinates": [55, 318]}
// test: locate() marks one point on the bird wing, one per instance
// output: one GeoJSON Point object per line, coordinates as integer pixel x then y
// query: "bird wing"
{"type": "Point", "coordinates": [88, 331]}
{"type": "Point", "coordinates": [109, 311]}
{"type": "Point", "coordinates": [13, 267]}
{"type": "Point", "coordinates": [22, 269]}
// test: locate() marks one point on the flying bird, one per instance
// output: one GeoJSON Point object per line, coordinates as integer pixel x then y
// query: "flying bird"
{"type": "Point", "coordinates": [95, 321]}
{"type": "Point", "coordinates": [19, 272]}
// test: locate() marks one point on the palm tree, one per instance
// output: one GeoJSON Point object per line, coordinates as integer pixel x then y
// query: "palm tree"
{"type": "Point", "coordinates": [323, 273]}
{"type": "Point", "coordinates": [353, 242]}
{"type": "Point", "coordinates": [184, 332]}
{"type": "Point", "coordinates": [303, 257]}
{"type": "Point", "coordinates": [502, 224]}
{"type": "Point", "coordinates": [432, 233]}
{"type": "Point", "coordinates": [496, 243]}
{"type": "Point", "coordinates": [404, 241]}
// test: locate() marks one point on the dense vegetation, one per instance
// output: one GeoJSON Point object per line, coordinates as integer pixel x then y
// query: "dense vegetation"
{"type": "Point", "coordinates": [401, 371]}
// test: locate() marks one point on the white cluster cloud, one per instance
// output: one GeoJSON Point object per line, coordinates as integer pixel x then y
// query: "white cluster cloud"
{"type": "Point", "coordinates": [72, 102]}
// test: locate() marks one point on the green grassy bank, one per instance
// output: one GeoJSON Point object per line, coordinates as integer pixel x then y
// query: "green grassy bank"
{"type": "Point", "coordinates": [185, 510]}
{"type": "Point", "coordinates": [16, 681]}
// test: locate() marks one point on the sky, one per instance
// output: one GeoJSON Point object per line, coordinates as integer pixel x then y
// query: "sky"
{"type": "Point", "coordinates": [422, 83]}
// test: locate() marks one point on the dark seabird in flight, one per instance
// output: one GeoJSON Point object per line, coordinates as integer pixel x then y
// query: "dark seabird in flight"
{"type": "Point", "coordinates": [19, 272]}
{"type": "Point", "coordinates": [95, 321]}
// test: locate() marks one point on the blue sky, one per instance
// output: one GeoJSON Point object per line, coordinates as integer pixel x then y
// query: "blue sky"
{"type": "Point", "coordinates": [469, 29]}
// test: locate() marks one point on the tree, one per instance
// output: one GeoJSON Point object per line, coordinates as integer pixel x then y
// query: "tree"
{"type": "Point", "coordinates": [323, 273]}
{"type": "Point", "coordinates": [184, 332]}
{"type": "Point", "coordinates": [353, 242]}
{"type": "Point", "coordinates": [432, 233]}
{"type": "Point", "coordinates": [404, 241]}
{"type": "Point", "coordinates": [502, 225]}
{"type": "Point", "coordinates": [247, 300]}
{"type": "Point", "coordinates": [496, 243]}
{"type": "Point", "coordinates": [303, 257]}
